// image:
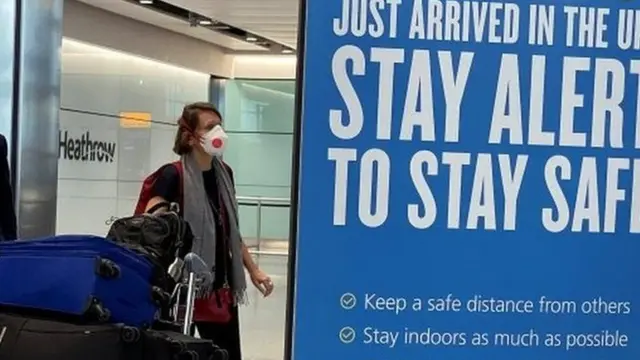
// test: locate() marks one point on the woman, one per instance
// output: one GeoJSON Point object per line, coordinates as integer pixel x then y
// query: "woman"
{"type": "Point", "coordinates": [203, 184]}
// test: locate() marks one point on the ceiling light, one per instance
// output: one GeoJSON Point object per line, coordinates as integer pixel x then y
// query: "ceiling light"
{"type": "Point", "coordinates": [146, 2]}
{"type": "Point", "coordinates": [252, 38]}
{"type": "Point", "coordinates": [205, 22]}
{"type": "Point", "coordinates": [287, 51]}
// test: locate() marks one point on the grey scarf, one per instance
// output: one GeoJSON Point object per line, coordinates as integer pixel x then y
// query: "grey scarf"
{"type": "Point", "coordinates": [199, 214]}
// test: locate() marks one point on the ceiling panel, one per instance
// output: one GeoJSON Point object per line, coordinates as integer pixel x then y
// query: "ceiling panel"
{"type": "Point", "coordinates": [276, 20]}
{"type": "Point", "coordinates": [139, 13]}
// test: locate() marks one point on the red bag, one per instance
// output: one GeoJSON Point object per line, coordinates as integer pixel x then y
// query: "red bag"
{"type": "Point", "coordinates": [217, 307]}
{"type": "Point", "coordinates": [147, 186]}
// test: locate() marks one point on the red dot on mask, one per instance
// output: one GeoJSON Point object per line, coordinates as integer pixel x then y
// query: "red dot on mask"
{"type": "Point", "coordinates": [216, 143]}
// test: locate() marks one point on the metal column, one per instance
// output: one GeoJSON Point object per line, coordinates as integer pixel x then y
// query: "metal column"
{"type": "Point", "coordinates": [30, 43]}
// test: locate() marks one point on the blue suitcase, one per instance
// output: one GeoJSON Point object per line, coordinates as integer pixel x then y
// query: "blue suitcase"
{"type": "Point", "coordinates": [84, 276]}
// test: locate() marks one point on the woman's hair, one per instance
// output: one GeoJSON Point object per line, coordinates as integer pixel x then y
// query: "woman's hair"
{"type": "Point", "coordinates": [188, 123]}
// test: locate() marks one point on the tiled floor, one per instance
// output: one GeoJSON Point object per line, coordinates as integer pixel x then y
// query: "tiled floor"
{"type": "Point", "coordinates": [262, 320]}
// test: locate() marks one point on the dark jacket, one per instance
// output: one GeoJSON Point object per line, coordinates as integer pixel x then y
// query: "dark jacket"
{"type": "Point", "coordinates": [8, 224]}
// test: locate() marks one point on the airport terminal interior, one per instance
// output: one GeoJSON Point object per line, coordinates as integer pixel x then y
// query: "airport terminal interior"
{"type": "Point", "coordinates": [466, 178]}
{"type": "Point", "coordinates": [98, 109]}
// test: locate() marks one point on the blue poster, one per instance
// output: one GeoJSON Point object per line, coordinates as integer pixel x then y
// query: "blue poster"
{"type": "Point", "coordinates": [469, 181]}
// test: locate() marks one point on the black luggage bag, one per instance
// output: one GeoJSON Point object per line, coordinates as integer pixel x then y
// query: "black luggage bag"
{"type": "Point", "coordinates": [160, 236]}
{"type": "Point", "coordinates": [23, 338]}
{"type": "Point", "coordinates": [30, 338]}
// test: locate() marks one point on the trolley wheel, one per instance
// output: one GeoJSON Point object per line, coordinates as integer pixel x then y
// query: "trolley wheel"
{"type": "Point", "coordinates": [187, 355]}
{"type": "Point", "coordinates": [130, 334]}
{"type": "Point", "coordinates": [220, 354]}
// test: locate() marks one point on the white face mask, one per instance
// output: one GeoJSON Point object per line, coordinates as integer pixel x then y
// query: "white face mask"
{"type": "Point", "coordinates": [215, 141]}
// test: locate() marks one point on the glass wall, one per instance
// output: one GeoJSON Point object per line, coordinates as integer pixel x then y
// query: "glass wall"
{"type": "Point", "coordinates": [117, 124]}
{"type": "Point", "coordinates": [259, 117]}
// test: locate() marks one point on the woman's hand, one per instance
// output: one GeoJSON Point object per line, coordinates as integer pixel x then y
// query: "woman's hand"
{"type": "Point", "coordinates": [262, 282]}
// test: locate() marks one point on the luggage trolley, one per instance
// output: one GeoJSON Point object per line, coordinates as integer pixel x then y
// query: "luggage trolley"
{"type": "Point", "coordinates": [191, 278]}
{"type": "Point", "coordinates": [189, 285]}
{"type": "Point", "coordinates": [194, 279]}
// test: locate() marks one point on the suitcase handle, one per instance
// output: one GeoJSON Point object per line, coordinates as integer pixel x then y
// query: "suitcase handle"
{"type": "Point", "coordinates": [107, 268]}
{"type": "Point", "coordinates": [160, 297]}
